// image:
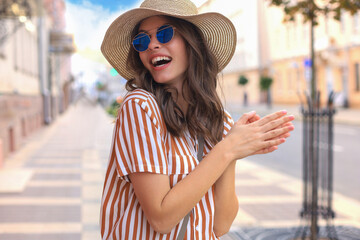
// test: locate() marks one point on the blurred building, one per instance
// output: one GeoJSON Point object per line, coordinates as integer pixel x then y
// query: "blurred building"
{"type": "Point", "coordinates": [267, 46]}
{"type": "Point", "coordinates": [247, 58]}
{"type": "Point", "coordinates": [34, 68]}
{"type": "Point", "coordinates": [337, 47]}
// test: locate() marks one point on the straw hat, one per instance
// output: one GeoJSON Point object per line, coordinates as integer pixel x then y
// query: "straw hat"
{"type": "Point", "coordinates": [218, 31]}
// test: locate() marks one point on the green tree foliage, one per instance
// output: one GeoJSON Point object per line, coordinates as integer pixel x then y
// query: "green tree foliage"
{"type": "Point", "coordinates": [113, 108]}
{"type": "Point", "coordinates": [311, 9]}
{"type": "Point", "coordinates": [265, 83]}
{"type": "Point", "coordinates": [242, 80]}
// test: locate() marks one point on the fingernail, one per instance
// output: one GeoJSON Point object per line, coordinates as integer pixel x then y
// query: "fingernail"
{"type": "Point", "coordinates": [283, 111]}
{"type": "Point", "coordinates": [252, 112]}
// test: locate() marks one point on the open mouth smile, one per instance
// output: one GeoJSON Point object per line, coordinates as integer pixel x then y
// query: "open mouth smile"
{"type": "Point", "coordinates": [160, 61]}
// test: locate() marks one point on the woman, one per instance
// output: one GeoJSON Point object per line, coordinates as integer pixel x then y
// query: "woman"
{"type": "Point", "coordinates": [153, 178]}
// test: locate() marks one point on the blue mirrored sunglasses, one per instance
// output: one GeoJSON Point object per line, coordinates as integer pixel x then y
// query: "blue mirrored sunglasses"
{"type": "Point", "coordinates": [163, 34]}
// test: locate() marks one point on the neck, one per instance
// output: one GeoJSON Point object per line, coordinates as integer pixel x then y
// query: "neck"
{"type": "Point", "coordinates": [182, 103]}
{"type": "Point", "coordinates": [180, 99]}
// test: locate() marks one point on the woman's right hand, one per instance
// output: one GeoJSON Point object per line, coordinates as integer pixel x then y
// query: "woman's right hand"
{"type": "Point", "coordinates": [248, 136]}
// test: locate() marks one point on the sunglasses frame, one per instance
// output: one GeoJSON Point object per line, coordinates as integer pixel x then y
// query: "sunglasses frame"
{"type": "Point", "coordinates": [149, 36]}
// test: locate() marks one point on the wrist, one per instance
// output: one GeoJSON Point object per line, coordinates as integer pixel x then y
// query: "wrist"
{"type": "Point", "coordinates": [225, 150]}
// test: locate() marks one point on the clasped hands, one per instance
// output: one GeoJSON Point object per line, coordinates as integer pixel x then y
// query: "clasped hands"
{"type": "Point", "coordinates": [252, 135]}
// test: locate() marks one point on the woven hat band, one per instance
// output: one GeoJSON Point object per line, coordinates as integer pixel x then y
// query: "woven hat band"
{"type": "Point", "coordinates": [175, 7]}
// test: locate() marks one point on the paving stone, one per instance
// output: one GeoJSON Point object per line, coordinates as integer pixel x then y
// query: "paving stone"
{"type": "Point", "coordinates": [338, 232]}
{"type": "Point", "coordinates": [31, 213]}
{"type": "Point", "coordinates": [53, 165]}
{"type": "Point", "coordinates": [58, 153]}
{"type": "Point", "coordinates": [56, 176]}
{"type": "Point", "coordinates": [247, 176]}
{"type": "Point", "coordinates": [53, 236]}
{"type": "Point", "coordinates": [67, 192]}
{"type": "Point", "coordinates": [266, 190]}
{"type": "Point", "coordinates": [280, 211]}
{"type": "Point", "coordinates": [91, 227]}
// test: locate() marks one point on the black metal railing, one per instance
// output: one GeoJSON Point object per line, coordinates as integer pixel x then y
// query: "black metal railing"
{"type": "Point", "coordinates": [318, 167]}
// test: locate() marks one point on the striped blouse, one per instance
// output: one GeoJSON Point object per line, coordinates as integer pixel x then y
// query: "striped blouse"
{"type": "Point", "coordinates": [141, 143]}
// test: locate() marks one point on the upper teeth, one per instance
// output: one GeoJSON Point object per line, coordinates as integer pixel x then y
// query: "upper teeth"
{"type": "Point", "coordinates": [158, 59]}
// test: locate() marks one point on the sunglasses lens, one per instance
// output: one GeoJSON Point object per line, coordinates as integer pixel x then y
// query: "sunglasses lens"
{"type": "Point", "coordinates": [165, 33]}
{"type": "Point", "coordinates": [141, 42]}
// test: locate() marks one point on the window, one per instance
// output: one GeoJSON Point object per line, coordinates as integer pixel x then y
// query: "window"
{"type": "Point", "coordinates": [305, 30]}
{"type": "Point", "coordinates": [342, 22]}
{"type": "Point", "coordinates": [288, 36]}
{"type": "Point", "coordinates": [3, 33]}
{"type": "Point", "coordinates": [326, 23]}
{"type": "Point", "coordinates": [357, 77]}
{"type": "Point", "coordinates": [356, 22]}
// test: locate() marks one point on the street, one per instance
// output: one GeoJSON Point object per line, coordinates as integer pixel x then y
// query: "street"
{"type": "Point", "coordinates": [288, 158]}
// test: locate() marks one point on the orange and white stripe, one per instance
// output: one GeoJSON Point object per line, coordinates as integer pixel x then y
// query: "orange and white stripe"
{"type": "Point", "coordinates": [141, 143]}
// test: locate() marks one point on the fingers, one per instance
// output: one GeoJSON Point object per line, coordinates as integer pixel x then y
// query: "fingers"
{"type": "Point", "coordinates": [251, 135]}
{"type": "Point", "coordinates": [277, 122]}
{"type": "Point", "coordinates": [271, 117]}
{"type": "Point", "coordinates": [247, 117]}
{"type": "Point", "coordinates": [272, 143]}
{"type": "Point", "coordinates": [267, 150]}
{"type": "Point", "coordinates": [278, 132]}
{"type": "Point", "coordinates": [254, 118]}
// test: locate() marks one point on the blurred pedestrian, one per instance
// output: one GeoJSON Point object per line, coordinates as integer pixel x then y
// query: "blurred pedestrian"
{"type": "Point", "coordinates": [155, 185]}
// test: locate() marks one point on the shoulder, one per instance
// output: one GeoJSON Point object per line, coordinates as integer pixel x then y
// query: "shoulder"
{"type": "Point", "coordinates": [142, 103]}
{"type": "Point", "coordinates": [139, 96]}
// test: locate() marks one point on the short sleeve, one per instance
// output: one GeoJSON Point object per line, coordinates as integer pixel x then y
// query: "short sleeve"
{"type": "Point", "coordinates": [138, 145]}
{"type": "Point", "coordinates": [228, 123]}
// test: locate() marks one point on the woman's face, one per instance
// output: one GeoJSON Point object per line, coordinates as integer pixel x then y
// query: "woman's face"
{"type": "Point", "coordinates": [174, 52]}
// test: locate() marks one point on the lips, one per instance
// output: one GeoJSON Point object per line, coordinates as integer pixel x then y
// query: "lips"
{"type": "Point", "coordinates": [160, 61]}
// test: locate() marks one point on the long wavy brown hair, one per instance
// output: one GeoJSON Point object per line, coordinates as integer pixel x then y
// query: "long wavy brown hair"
{"type": "Point", "coordinates": [205, 113]}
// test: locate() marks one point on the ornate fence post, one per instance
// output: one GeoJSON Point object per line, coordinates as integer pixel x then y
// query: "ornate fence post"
{"type": "Point", "coordinates": [318, 137]}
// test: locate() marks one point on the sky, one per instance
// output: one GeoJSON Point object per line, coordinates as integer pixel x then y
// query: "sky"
{"type": "Point", "coordinates": [111, 4]}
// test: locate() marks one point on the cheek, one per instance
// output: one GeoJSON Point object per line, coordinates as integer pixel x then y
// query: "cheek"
{"type": "Point", "coordinates": [184, 55]}
{"type": "Point", "coordinates": [143, 59]}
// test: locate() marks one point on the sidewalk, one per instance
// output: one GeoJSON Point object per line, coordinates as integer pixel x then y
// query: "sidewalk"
{"type": "Point", "coordinates": [51, 188]}
{"type": "Point", "coordinates": [270, 203]}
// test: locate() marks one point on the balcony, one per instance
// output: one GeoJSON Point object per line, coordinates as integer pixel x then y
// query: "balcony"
{"type": "Point", "coordinates": [61, 42]}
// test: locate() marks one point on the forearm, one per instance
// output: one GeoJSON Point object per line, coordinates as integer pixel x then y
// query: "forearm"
{"type": "Point", "coordinates": [176, 202]}
{"type": "Point", "coordinates": [226, 203]}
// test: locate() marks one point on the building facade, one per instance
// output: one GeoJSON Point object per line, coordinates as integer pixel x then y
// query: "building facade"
{"type": "Point", "coordinates": [336, 57]}
{"type": "Point", "coordinates": [30, 94]}
{"type": "Point", "coordinates": [268, 46]}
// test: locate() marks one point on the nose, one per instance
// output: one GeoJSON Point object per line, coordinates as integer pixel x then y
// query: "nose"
{"type": "Point", "coordinates": [154, 43]}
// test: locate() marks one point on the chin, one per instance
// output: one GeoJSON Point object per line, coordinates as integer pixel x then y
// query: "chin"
{"type": "Point", "coordinates": [162, 80]}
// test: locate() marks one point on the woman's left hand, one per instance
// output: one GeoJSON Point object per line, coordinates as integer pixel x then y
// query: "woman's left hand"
{"type": "Point", "coordinates": [255, 118]}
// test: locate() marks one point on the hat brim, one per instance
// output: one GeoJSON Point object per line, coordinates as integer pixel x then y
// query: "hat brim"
{"type": "Point", "coordinates": [218, 31]}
